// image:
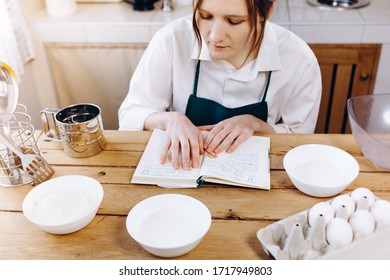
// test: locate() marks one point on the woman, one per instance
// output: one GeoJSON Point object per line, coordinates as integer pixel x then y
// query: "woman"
{"type": "Point", "coordinates": [228, 70]}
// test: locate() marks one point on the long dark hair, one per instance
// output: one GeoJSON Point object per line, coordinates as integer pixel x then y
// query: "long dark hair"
{"type": "Point", "coordinates": [257, 9]}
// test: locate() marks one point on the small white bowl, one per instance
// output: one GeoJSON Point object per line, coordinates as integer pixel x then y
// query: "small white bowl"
{"type": "Point", "coordinates": [168, 225]}
{"type": "Point", "coordinates": [64, 204]}
{"type": "Point", "coordinates": [320, 170]}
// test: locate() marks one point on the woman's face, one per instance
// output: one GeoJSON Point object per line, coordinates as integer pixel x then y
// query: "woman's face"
{"type": "Point", "coordinates": [224, 25]}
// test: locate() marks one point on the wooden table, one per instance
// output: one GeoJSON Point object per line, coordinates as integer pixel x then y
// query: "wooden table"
{"type": "Point", "coordinates": [238, 213]}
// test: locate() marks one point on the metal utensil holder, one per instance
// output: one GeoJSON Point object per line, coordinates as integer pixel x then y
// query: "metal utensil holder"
{"type": "Point", "coordinates": [22, 133]}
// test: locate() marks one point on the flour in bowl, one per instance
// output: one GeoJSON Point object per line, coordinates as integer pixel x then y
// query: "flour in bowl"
{"type": "Point", "coordinates": [63, 206]}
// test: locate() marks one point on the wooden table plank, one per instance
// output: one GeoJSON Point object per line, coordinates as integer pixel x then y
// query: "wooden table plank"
{"type": "Point", "coordinates": [131, 159]}
{"type": "Point", "coordinates": [223, 202]}
{"type": "Point", "coordinates": [125, 149]}
{"type": "Point", "coordinates": [136, 141]}
{"type": "Point", "coordinates": [106, 237]}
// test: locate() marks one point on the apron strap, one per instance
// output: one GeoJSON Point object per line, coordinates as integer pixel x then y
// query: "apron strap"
{"type": "Point", "coordinates": [266, 86]}
{"type": "Point", "coordinates": [195, 91]}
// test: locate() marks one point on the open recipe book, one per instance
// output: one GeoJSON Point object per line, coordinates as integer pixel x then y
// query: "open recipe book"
{"type": "Point", "coordinates": [248, 166]}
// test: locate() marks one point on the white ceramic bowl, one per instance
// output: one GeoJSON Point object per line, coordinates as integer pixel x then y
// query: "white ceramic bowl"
{"type": "Point", "coordinates": [168, 225]}
{"type": "Point", "coordinates": [320, 170]}
{"type": "Point", "coordinates": [64, 204]}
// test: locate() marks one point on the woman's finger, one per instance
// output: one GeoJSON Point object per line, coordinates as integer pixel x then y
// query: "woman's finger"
{"type": "Point", "coordinates": [213, 138]}
{"type": "Point", "coordinates": [206, 127]}
{"type": "Point", "coordinates": [196, 151]}
{"type": "Point", "coordinates": [175, 147]}
{"type": "Point", "coordinates": [236, 143]}
{"type": "Point", "coordinates": [165, 150]}
{"type": "Point", "coordinates": [185, 153]}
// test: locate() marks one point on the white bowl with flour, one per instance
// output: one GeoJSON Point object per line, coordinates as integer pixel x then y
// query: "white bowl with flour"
{"type": "Point", "coordinates": [168, 225]}
{"type": "Point", "coordinates": [64, 204]}
{"type": "Point", "coordinates": [320, 170]}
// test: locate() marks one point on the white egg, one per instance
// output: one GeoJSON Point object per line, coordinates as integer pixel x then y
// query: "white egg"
{"type": "Point", "coordinates": [343, 201]}
{"type": "Point", "coordinates": [338, 232]}
{"type": "Point", "coordinates": [362, 223]}
{"type": "Point", "coordinates": [380, 210]}
{"type": "Point", "coordinates": [360, 193]}
{"type": "Point", "coordinates": [321, 209]}
{"type": "Point", "coordinates": [311, 255]}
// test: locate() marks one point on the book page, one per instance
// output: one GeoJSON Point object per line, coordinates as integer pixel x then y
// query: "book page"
{"type": "Point", "coordinates": [151, 171]}
{"type": "Point", "coordinates": [248, 165]}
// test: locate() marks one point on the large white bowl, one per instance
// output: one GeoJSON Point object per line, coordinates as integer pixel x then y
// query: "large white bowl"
{"type": "Point", "coordinates": [320, 170]}
{"type": "Point", "coordinates": [369, 116]}
{"type": "Point", "coordinates": [64, 204]}
{"type": "Point", "coordinates": [168, 225]}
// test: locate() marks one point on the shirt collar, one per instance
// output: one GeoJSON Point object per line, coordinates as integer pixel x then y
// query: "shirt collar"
{"type": "Point", "coordinates": [204, 53]}
{"type": "Point", "coordinates": [268, 58]}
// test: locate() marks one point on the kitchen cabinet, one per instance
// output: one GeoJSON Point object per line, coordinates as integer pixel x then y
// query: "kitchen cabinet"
{"type": "Point", "coordinates": [347, 70]}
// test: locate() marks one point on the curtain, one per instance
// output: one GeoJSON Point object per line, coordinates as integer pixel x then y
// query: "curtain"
{"type": "Point", "coordinates": [94, 73]}
{"type": "Point", "coordinates": [15, 43]}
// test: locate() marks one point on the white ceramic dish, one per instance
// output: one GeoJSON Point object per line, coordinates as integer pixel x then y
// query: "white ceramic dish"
{"type": "Point", "coordinates": [320, 170]}
{"type": "Point", "coordinates": [64, 204]}
{"type": "Point", "coordinates": [168, 225]}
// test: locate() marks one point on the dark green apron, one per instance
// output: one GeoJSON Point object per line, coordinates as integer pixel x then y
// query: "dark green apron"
{"type": "Point", "coordinates": [203, 111]}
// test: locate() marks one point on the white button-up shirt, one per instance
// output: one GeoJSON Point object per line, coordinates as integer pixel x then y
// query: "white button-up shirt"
{"type": "Point", "coordinates": [164, 79]}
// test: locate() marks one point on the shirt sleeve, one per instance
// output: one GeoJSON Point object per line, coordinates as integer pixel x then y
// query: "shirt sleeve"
{"type": "Point", "coordinates": [150, 88]}
{"type": "Point", "coordinates": [301, 112]}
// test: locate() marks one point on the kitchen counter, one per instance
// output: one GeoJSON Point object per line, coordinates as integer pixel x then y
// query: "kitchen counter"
{"type": "Point", "coordinates": [119, 23]}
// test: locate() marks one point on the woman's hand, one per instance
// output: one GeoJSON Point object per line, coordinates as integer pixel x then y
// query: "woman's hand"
{"type": "Point", "coordinates": [182, 137]}
{"type": "Point", "coordinates": [231, 133]}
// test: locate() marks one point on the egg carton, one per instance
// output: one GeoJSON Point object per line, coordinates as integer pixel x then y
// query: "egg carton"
{"type": "Point", "coordinates": [293, 238]}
